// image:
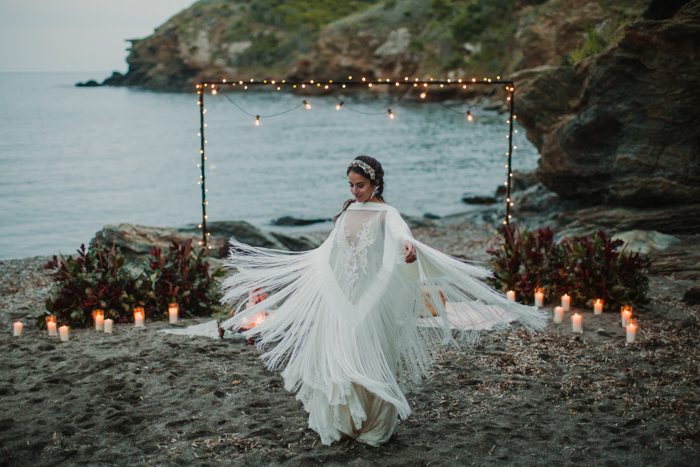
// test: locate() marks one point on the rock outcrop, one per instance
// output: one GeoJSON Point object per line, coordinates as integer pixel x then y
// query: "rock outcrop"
{"type": "Point", "coordinates": [621, 128]}
{"type": "Point", "coordinates": [136, 241]}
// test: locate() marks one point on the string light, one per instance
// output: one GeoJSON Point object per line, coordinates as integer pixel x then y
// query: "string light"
{"type": "Point", "coordinates": [339, 105]}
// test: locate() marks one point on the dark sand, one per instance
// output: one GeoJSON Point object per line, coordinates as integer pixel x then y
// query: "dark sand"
{"type": "Point", "coordinates": [143, 397]}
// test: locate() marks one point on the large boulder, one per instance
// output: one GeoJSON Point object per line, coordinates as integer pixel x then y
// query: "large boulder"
{"type": "Point", "coordinates": [136, 241]}
{"type": "Point", "coordinates": [621, 128]}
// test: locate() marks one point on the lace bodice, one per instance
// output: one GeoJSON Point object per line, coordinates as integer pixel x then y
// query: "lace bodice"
{"type": "Point", "coordinates": [358, 250]}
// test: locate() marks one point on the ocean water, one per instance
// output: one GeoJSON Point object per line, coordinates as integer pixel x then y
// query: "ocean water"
{"type": "Point", "coordinates": [74, 159]}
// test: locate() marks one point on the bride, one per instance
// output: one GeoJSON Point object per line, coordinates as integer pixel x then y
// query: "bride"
{"type": "Point", "coordinates": [370, 307]}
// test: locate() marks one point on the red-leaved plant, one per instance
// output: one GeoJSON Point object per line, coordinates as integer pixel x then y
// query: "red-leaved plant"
{"type": "Point", "coordinates": [586, 268]}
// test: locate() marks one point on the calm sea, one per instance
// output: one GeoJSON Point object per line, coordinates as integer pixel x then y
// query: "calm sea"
{"type": "Point", "coordinates": [74, 159]}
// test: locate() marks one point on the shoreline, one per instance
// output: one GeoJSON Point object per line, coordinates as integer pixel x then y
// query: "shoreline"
{"type": "Point", "coordinates": [140, 396]}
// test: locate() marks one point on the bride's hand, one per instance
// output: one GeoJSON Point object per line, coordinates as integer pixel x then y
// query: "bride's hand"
{"type": "Point", "coordinates": [409, 252]}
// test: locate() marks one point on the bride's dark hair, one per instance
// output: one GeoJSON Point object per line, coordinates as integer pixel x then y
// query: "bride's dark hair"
{"type": "Point", "coordinates": [378, 181]}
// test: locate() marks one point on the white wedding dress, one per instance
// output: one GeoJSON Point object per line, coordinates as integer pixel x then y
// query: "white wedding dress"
{"type": "Point", "coordinates": [351, 319]}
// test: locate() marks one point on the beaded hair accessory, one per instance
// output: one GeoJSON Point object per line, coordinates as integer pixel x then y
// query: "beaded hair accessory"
{"type": "Point", "coordinates": [364, 166]}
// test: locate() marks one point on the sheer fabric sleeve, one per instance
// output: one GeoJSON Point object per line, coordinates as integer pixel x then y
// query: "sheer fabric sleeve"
{"type": "Point", "coordinates": [451, 302]}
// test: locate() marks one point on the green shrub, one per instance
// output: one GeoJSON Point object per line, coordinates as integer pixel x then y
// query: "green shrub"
{"type": "Point", "coordinates": [586, 268]}
{"type": "Point", "coordinates": [181, 276]}
{"type": "Point", "coordinates": [97, 278]}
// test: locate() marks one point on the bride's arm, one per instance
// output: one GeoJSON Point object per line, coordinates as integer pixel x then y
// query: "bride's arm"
{"type": "Point", "coordinates": [402, 233]}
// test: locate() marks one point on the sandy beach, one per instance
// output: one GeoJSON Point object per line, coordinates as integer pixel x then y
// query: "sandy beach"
{"type": "Point", "coordinates": [142, 397]}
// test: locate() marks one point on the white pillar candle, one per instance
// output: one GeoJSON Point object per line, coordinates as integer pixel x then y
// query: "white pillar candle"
{"type": "Point", "coordinates": [631, 331]}
{"type": "Point", "coordinates": [598, 307]}
{"type": "Point", "coordinates": [51, 325]}
{"type": "Point", "coordinates": [626, 315]}
{"type": "Point", "coordinates": [576, 323]}
{"type": "Point", "coordinates": [511, 295]}
{"type": "Point", "coordinates": [139, 316]}
{"type": "Point", "coordinates": [558, 315]}
{"type": "Point", "coordinates": [108, 326]}
{"type": "Point", "coordinates": [18, 328]}
{"type": "Point", "coordinates": [64, 331]}
{"type": "Point", "coordinates": [172, 312]}
{"type": "Point", "coordinates": [566, 302]}
{"type": "Point", "coordinates": [539, 298]}
{"type": "Point", "coordinates": [100, 322]}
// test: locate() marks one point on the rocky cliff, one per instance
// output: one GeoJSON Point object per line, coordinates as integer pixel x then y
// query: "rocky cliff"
{"type": "Point", "coordinates": [380, 39]}
{"type": "Point", "coordinates": [621, 127]}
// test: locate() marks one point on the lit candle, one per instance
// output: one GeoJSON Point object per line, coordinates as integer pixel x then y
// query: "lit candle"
{"type": "Point", "coordinates": [172, 312]}
{"type": "Point", "coordinates": [99, 317]}
{"type": "Point", "coordinates": [566, 302]}
{"type": "Point", "coordinates": [598, 307]}
{"type": "Point", "coordinates": [18, 328]}
{"type": "Point", "coordinates": [108, 326]}
{"type": "Point", "coordinates": [539, 297]}
{"type": "Point", "coordinates": [138, 317]}
{"type": "Point", "coordinates": [64, 331]}
{"type": "Point", "coordinates": [626, 314]}
{"type": "Point", "coordinates": [51, 325]}
{"type": "Point", "coordinates": [576, 325]}
{"type": "Point", "coordinates": [558, 315]}
{"type": "Point", "coordinates": [511, 295]}
{"type": "Point", "coordinates": [631, 330]}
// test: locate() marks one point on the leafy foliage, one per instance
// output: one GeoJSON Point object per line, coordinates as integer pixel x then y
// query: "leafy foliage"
{"type": "Point", "coordinates": [181, 276]}
{"type": "Point", "coordinates": [587, 268]}
{"type": "Point", "coordinates": [97, 278]}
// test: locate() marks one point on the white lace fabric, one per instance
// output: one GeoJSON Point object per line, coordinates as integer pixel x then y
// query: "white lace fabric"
{"type": "Point", "coordinates": [347, 319]}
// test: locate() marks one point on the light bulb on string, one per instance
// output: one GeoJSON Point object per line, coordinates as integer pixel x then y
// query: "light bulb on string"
{"type": "Point", "coordinates": [308, 106]}
{"type": "Point", "coordinates": [257, 120]}
{"type": "Point", "coordinates": [397, 83]}
{"type": "Point", "coordinates": [391, 114]}
{"type": "Point", "coordinates": [363, 79]}
{"type": "Point", "coordinates": [340, 104]}
{"type": "Point", "coordinates": [422, 95]}
{"type": "Point", "coordinates": [470, 117]}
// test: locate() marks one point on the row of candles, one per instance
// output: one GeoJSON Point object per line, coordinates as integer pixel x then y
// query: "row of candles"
{"type": "Point", "coordinates": [101, 324]}
{"type": "Point", "coordinates": [627, 322]}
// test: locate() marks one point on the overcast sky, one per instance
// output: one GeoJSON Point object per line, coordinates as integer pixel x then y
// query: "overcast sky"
{"type": "Point", "coordinates": [76, 35]}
